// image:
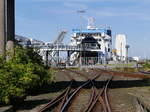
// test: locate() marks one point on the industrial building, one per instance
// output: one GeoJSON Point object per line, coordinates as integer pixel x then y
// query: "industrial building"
{"type": "Point", "coordinates": [121, 47]}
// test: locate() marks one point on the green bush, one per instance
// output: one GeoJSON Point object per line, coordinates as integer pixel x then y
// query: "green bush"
{"type": "Point", "coordinates": [146, 66]}
{"type": "Point", "coordinates": [125, 69]}
{"type": "Point", "coordinates": [22, 72]}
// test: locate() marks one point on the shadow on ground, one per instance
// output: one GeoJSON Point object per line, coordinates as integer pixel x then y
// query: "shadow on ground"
{"type": "Point", "coordinates": [59, 86]}
{"type": "Point", "coordinates": [28, 105]}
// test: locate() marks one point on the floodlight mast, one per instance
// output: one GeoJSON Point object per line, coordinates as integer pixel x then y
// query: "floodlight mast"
{"type": "Point", "coordinates": [80, 12]}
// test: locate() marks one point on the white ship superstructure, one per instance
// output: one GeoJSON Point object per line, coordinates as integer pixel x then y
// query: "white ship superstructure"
{"type": "Point", "coordinates": [97, 43]}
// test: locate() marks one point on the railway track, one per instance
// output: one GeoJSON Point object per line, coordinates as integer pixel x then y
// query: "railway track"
{"type": "Point", "coordinates": [101, 97]}
{"type": "Point", "coordinates": [97, 100]}
{"type": "Point", "coordinates": [63, 102]}
{"type": "Point", "coordinates": [145, 72]}
{"type": "Point", "coordinates": [79, 74]}
{"type": "Point", "coordinates": [116, 73]}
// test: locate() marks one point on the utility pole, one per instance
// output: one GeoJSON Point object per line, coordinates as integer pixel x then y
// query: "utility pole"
{"type": "Point", "coordinates": [10, 25]}
{"type": "Point", "coordinates": [127, 48]}
{"type": "Point", "coordinates": [2, 27]}
{"type": "Point", "coordinates": [121, 59]}
{"type": "Point", "coordinates": [7, 25]}
{"type": "Point", "coordinates": [80, 12]}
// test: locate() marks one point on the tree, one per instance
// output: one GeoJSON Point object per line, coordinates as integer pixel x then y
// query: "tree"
{"type": "Point", "coordinates": [22, 72]}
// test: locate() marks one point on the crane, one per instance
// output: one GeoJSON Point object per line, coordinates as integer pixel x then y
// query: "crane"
{"type": "Point", "coordinates": [54, 54]}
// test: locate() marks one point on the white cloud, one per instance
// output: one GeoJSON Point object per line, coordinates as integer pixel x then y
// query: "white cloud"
{"type": "Point", "coordinates": [145, 16]}
{"type": "Point", "coordinates": [138, 12]}
{"type": "Point", "coordinates": [75, 5]}
{"type": "Point", "coordinates": [58, 11]}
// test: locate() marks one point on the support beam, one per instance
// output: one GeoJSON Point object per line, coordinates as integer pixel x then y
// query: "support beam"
{"type": "Point", "coordinates": [2, 27]}
{"type": "Point", "coordinates": [47, 64]}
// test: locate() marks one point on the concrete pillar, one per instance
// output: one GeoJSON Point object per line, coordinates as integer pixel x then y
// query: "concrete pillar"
{"type": "Point", "coordinates": [68, 58]}
{"type": "Point", "coordinates": [58, 58]}
{"type": "Point", "coordinates": [2, 27]}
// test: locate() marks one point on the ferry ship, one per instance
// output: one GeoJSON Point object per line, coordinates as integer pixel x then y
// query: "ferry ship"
{"type": "Point", "coordinates": [97, 43]}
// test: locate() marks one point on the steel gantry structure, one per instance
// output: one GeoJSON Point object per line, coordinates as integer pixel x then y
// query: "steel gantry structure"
{"type": "Point", "coordinates": [51, 51]}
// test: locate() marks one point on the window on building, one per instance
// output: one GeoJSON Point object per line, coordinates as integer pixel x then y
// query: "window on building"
{"type": "Point", "coordinates": [99, 46]}
{"type": "Point", "coordinates": [106, 39]}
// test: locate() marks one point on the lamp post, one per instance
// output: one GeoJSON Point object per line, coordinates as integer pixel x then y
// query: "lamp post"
{"type": "Point", "coordinates": [10, 27]}
{"type": "Point", "coordinates": [127, 48]}
{"type": "Point", "coordinates": [80, 12]}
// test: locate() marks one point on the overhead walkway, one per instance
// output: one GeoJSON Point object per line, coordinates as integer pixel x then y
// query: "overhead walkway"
{"type": "Point", "coordinates": [62, 47]}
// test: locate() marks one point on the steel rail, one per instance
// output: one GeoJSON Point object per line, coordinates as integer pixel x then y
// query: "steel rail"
{"type": "Point", "coordinates": [53, 102]}
{"type": "Point", "coordinates": [95, 101]}
{"type": "Point", "coordinates": [145, 72]}
{"type": "Point", "coordinates": [92, 98]}
{"type": "Point", "coordinates": [103, 103]}
{"type": "Point", "coordinates": [70, 77]}
{"type": "Point", "coordinates": [98, 97]}
{"type": "Point", "coordinates": [79, 73]}
{"type": "Point", "coordinates": [64, 99]}
{"type": "Point", "coordinates": [73, 94]}
{"type": "Point", "coordinates": [65, 96]}
{"type": "Point", "coordinates": [56, 100]}
{"type": "Point", "coordinates": [77, 90]}
{"type": "Point", "coordinates": [106, 96]}
{"type": "Point", "coordinates": [116, 73]}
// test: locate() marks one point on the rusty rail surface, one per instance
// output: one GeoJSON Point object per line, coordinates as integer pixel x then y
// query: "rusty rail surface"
{"type": "Point", "coordinates": [115, 73]}
{"type": "Point", "coordinates": [145, 72]}
{"type": "Point", "coordinates": [78, 73]}
{"type": "Point", "coordinates": [76, 91]}
{"type": "Point", "coordinates": [57, 99]}
{"type": "Point", "coordinates": [65, 98]}
{"type": "Point", "coordinates": [92, 98]}
{"type": "Point", "coordinates": [98, 96]}
{"type": "Point", "coordinates": [106, 96]}
{"type": "Point", "coordinates": [101, 96]}
{"type": "Point", "coordinates": [73, 94]}
{"type": "Point", "coordinates": [68, 75]}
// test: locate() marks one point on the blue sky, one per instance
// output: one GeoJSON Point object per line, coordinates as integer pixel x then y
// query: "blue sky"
{"type": "Point", "coordinates": [43, 19]}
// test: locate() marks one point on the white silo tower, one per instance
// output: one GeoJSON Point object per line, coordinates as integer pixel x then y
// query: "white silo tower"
{"type": "Point", "coordinates": [120, 46]}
